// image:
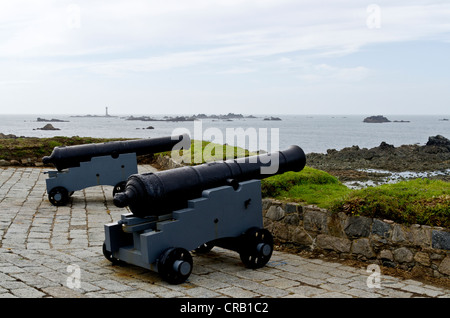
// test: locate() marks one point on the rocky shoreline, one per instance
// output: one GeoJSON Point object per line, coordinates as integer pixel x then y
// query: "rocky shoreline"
{"type": "Point", "coordinates": [380, 163]}
{"type": "Point", "coordinates": [354, 165]}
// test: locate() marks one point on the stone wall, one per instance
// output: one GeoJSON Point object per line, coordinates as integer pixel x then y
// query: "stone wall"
{"type": "Point", "coordinates": [425, 250]}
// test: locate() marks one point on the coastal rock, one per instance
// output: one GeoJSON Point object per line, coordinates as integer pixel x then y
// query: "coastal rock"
{"type": "Point", "coordinates": [376, 119]}
{"type": "Point", "coordinates": [385, 146]}
{"type": "Point", "coordinates": [227, 117]}
{"type": "Point", "coordinates": [272, 118]}
{"type": "Point", "coordinates": [51, 120]}
{"type": "Point", "coordinates": [48, 127]}
{"type": "Point", "coordinates": [349, 163]}
{"type": "Point", "coordinates": [439, 141]}
{"type": "Point", "coordinates": [9, 136]}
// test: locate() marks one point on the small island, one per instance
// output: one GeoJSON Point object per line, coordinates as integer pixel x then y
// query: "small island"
{"type": "Point", "coordinates": [47, 127]}
{"type": "Point", "coordinates": [39, 119]}
{"type": "Point", "coordinates": [376, 119]}
{"type": "Point", "coordinates": [227, 117]}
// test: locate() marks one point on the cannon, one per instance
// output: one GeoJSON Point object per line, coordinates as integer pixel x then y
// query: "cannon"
{"type": "Point", "coordinates": [109, 163]}
{"type": "Point", "coordinates": [195, 208]}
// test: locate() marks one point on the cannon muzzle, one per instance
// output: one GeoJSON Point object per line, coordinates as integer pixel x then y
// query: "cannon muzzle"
{"type": "Point", "coordinates": [70, 156]}
{"type": "Point", "coordinates": [153, 194]}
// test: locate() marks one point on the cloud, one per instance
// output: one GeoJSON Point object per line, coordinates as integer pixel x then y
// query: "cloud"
{"type": "Point", "coordinates": [163, 29]}
{"type": "Point", "coordinates": [325, 72]}
{"type": "Point", "coordinates": [58, 42]}
{"type": "Point", "coordinates": [238, 70]}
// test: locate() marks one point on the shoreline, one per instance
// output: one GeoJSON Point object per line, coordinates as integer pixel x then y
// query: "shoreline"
{"type": "Point", "coordinates": [354, 166]}
{"type": "Point", "coordinates": [386, 163]}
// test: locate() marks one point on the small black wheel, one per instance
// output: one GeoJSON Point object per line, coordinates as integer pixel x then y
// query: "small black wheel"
{"type": "Point", "coordinates": [175, 265]}
{"type": "Point", "coordinates": [257, 248]}
{"type": "Point", "coordinates": [204, 248]}
{"type": "Point", "coordinates": [58, 196]}
{"type": "Point", "coordinates": [120, 187]}
{"type": "Point", "coordinates": [108, 255]}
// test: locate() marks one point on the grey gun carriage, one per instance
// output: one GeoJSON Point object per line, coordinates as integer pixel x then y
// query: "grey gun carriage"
{"type": "Point", "coordinates": [195, 208]}
{"type": "Point", "coordinates": [110, 163]}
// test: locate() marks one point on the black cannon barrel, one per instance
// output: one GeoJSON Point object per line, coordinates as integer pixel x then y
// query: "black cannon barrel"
{"type": "Point", "coordinates": [153, 194]}
{"type": "Point", "coordinates": [70, 156]}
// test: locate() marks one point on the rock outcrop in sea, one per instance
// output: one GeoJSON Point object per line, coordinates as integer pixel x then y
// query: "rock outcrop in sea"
{"type": "Point", "coordinates": [228, 116]}
{"type": "Point", "coordinates": [439, 141]}
{"type": "Point", "coordinates": [53, 120]}
{"type": "Point", "coordinates": [376, 119]}
{"type": "Point", "coordinates": [48, 127]}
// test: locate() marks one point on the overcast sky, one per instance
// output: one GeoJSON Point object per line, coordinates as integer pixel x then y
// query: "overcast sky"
{"type": "Point", "coordinates": [215, 57]}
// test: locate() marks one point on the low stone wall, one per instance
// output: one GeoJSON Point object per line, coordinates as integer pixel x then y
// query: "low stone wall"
{"type": "Point", "coordinates": [425, 250]}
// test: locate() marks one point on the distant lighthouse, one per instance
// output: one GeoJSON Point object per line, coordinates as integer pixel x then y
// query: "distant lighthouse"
{"type": "Point", "coordinates": [106, 114]}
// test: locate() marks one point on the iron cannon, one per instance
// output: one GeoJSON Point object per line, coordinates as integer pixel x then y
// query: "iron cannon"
{"type": "Point", "coordinates": [174, 212]}
{"type": "Point", "coordinates": [158, 193]}
{"type": "Point", "coordinates": [109, 163]}
{"type": "Point", "coordinates": [71, 156]}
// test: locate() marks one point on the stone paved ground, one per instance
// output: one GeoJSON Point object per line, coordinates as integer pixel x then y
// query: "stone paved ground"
{"type": "Point", "coordinates": [44, 249]}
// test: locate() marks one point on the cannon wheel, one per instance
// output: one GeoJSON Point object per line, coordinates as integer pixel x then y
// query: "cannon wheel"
{"type": "Point", "coordinates": [204, 248]}
{"type": "Point", "coordinates": [175, 265]}
{"type": "Point", "coordinates": [58, 196]}
{"type": "Point", "coordinates": [120, 187]}
{"type": "Point", "coordinates": [108, 255]}
{"type": "Point", "coordinates": [257, 248]}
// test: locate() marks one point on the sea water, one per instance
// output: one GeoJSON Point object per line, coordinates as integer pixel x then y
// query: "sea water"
{"type": "Point", "coordinates": [313, 133]}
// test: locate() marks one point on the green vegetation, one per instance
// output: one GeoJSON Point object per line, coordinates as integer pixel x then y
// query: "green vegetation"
{"type": "Point", "coordinates": [419, 201]}
{"type": "Point", "coordinates": [204, 151]}
{"type": "Point", "coordinates": [309, 185]}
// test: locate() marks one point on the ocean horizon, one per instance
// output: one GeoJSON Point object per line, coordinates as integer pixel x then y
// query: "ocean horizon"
{"type": "Point", "coordinates": [313, 133]}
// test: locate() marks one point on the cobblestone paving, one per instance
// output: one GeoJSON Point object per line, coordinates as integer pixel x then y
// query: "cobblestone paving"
{"type": "Point", "coordinates": [45, 249]}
